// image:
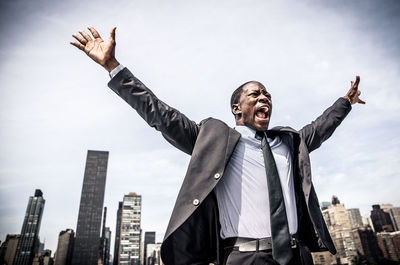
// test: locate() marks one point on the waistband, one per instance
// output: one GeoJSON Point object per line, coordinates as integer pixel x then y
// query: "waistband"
{"type": "Point", "coordinates": [245, 244]}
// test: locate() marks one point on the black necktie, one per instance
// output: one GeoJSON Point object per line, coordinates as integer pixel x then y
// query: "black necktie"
{"type": "Point", "coordinates": [281, 248]}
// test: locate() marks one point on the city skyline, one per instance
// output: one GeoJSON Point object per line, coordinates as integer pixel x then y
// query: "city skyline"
{"type": "Point", "coordinates": [55, 104]}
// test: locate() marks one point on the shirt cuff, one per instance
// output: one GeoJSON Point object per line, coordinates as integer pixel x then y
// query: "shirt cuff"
{"type": "Point", "coordinates": [116, 70]}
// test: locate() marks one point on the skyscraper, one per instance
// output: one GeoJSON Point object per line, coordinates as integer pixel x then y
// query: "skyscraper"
{"type": "Point", "coordinates": [117, 234]}
{"type": "Point", "coordinates": [149, 238]}
{"type": "Point", "coordinates": [87, 242]}
{"type": "Point", "coordinates": [65, 247]}
{"type": "Point", "coordinates": [355, 217]}
{"type": "Point", "coordinates": [30, 230]}
{"type": "Point", "coordinates": [130, 234]}
{"type": "Point", "coordinates": [381, 220]}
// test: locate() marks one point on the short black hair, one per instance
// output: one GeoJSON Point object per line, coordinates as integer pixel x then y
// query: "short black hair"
{"type": "Point", "coordinates": [236, 94]}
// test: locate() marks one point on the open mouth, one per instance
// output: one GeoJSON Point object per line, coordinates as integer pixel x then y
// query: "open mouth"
{"type": "Point", "coordinates": [262, 113]}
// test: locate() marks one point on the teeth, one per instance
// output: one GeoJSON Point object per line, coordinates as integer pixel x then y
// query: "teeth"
{"type": "Point", "coordinates": [261, 114]}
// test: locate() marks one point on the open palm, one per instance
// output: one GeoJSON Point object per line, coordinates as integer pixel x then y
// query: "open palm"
{"type": "Point", "coordinates": [96, 48]}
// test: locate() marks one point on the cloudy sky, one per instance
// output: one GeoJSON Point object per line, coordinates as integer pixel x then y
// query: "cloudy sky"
{"type": "Point", "coordinates": [55, 103]}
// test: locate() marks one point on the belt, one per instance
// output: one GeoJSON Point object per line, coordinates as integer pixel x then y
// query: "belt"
{"type": "Point", "coordinates": [244, 244]}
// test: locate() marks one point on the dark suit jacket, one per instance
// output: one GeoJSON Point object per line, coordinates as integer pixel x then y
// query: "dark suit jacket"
{"type": "Point", "coordinates": [192, 235]}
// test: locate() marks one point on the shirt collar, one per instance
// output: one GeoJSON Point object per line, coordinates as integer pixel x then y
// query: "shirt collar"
{"type": "Point", "coordinates": [245, 131]}
{"type": "Point", "coordinates": [251, 133]}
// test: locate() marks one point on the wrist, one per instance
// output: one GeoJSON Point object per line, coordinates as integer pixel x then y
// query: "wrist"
{"type": "Point", "coordinates": [111, 64]}
{"type": "Point", "coordinates": [348, 99]}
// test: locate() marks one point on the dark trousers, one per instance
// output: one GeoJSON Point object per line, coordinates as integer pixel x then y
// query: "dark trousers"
{"type": "Point", "coordinates": [301, 256]}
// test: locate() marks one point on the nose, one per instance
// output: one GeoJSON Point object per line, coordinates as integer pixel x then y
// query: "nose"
{"type": "Point", "coordinates": [262, 98]}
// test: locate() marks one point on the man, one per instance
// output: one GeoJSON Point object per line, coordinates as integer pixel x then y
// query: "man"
{"type": "Point", "coordinates": [247, 197]}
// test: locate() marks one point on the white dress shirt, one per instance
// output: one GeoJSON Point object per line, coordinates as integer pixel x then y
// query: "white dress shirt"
{"type": "Point", "coordinates": [242, 193]}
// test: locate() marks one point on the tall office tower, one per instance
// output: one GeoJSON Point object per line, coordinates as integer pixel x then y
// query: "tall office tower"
{"type": "Point", "coordinates": [149, 238]}
{"type": "Point", "coordinates": [30, 230]}
{"type": "Point", "coordinates": [381, 220]}
{"type": "Point", "coordinates": [117, 234]}
{"type": "Point", "coordinates": [355, 217]}
{"type": "Point", "coordinates": [394, 213]}
{"type": "Point", "coordinates": [8, 249]}
{"type": "Point", "coordinates": [130, 235]}
{"type": "Point", "coordinates": [87, 243]}
{"type": "Point", "coordinates": [65, 247]}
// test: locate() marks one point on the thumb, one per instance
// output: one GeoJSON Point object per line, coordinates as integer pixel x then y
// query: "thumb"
{"type": "Point", "coordinates": [112, 34]}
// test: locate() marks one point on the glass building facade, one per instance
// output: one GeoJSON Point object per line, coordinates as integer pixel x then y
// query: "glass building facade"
{"type": "Point", "coordinates": [28, 243]}
{"type": "Point", "coordinates": [87, 241]}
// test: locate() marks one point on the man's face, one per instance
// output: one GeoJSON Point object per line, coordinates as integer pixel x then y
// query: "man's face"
{"type": "Point", "coordinates": [254, 107]}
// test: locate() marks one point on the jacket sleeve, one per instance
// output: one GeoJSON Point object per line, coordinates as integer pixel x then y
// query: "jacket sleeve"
{"type": "Point", "coordinates": [318, 131]}
{"type": "Point", "coordinates": [174, 126]}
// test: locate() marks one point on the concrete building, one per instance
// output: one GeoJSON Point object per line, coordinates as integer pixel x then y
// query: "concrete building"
{"type": "Point", "coordinates": [355, 217]}
{"type": "Point", "coordinates": [394, 213]}
{"type": "Point", "coordinates": [340, 228]}
{"type": "Point", "coordinates": [65, 247]}
{"type": "Point", "coordinates": [389, 243]}
{"type": "Point", "coordinates": [87, 241]}
{"type": "Point", "coordinates": [366, 238]}
{"type": "Point", "coordinates": [381, 220]}
{"type": "Point", "coordinates": [130, 233]}
{"type": "Point", "coordinates": [43, 258]}
{"type": "Point", "coordinates": [8, 249]}
{"type": "Point", "coordinates": [28, 242]}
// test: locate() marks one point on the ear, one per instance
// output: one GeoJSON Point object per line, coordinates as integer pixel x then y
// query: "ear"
{"type": "Point", "coordinates": [236, 110]}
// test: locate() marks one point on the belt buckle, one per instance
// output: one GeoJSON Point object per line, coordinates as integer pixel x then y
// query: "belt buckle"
{"type": "Point", "coordinates": [249, 246]}
{"type": "Point", "coordinates": [293, 242]}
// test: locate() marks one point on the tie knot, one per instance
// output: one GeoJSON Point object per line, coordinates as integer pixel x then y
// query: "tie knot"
{"type": "Point", "coordinates": [259, 135]}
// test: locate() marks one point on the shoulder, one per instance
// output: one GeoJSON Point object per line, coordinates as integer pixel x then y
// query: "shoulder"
{"type": "Point", "coordinates": [283, 129]}
{"type": "Point", "coordinates": [212, 122]}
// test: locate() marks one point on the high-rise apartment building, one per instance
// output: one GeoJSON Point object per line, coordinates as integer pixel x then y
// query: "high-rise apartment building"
{"type": "Point", "coordinates": [130, 233]}
{"type": "Point", "coordinates": [369, 243]}
{"type": "Point", "coordinates": [389, 243]}
{"type": "Point", "coordinates": [337, 219]}
{"type": "Point", "coordinates": [65, 247]}
{"type": "Point", "coordinates": [381, 220]}
{"type": "Point", "coordinates": [149, 238]}
{"type": "Point", "coordinates": [117, 234]}
{"type": "Point", "coordinates": [87, 241]}
{"type": "Point", "coordinates": [355, 217]}
{"type": "Point", "coordinates": [394, 213]}
{"type": "Point", "coordinates": [27, 243]}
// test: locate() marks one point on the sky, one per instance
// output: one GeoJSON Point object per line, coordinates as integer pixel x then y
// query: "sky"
{"type": "Point", "coordinates": [55, 104]}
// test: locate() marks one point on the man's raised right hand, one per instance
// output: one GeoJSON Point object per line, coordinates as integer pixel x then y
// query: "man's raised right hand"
{"type": "Point", "coordinates": [101, 52]}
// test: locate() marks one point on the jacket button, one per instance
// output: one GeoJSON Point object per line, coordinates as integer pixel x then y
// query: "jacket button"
{"type": "Point", "coordinates": [217, 175]}
{"type": "Point", "coordinates": [196, 202]}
